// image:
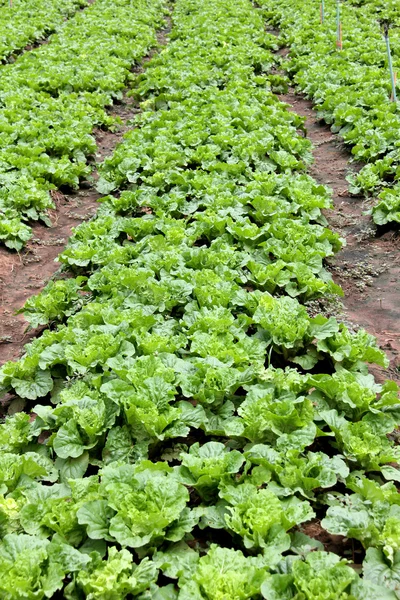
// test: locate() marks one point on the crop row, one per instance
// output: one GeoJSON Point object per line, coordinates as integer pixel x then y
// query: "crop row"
{"type": "Point", "coordinates": [27, 21]}
{"type": "Point", "coordinates": [351, 88]}
{"type": "Point", "coordinates": [193, 415]}
{"type": "Point", "coordinates": [53, 97]}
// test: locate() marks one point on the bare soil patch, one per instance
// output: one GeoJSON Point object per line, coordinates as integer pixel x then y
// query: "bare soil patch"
{"type": "Point", "coordinates": [338, 544]}
{"type": "Point", "coordinates": [368, 267]}
{"type": "Point", "coordinates": [26, 273]}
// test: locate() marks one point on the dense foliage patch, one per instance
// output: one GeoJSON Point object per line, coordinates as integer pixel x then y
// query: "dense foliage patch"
{"type": "Point", "coordinates": [25, 21]}
{"type": "Point", "coordinates": [190, 417]}
{"type": "Point", "coordinates": [351, 88]}
{"type": "Point", "coordinates": [54, 96]}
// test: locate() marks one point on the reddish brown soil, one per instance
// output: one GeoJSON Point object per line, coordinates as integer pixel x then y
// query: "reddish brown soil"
{"type": "Point", "coordinates": [368, 267]}
{"type": "Point", "coordinates": [338, 544]}
{"type": "Point", "coordinates": [26, 273]}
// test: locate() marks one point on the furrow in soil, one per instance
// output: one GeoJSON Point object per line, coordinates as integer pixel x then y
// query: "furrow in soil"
{"type": "Point", "coordinates": [368, 267]}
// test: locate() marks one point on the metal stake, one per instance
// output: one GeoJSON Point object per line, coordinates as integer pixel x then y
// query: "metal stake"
{"type": "Point", "coordinates": [392, 74]}
{"type": "Point", "coordinates": [339, 43]}
{"type": "Point", "coordinates": [322, 11]}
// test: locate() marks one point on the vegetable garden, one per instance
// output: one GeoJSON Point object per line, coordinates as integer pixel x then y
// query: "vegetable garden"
{"type": "Point", "coordinates": [183, 425]}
